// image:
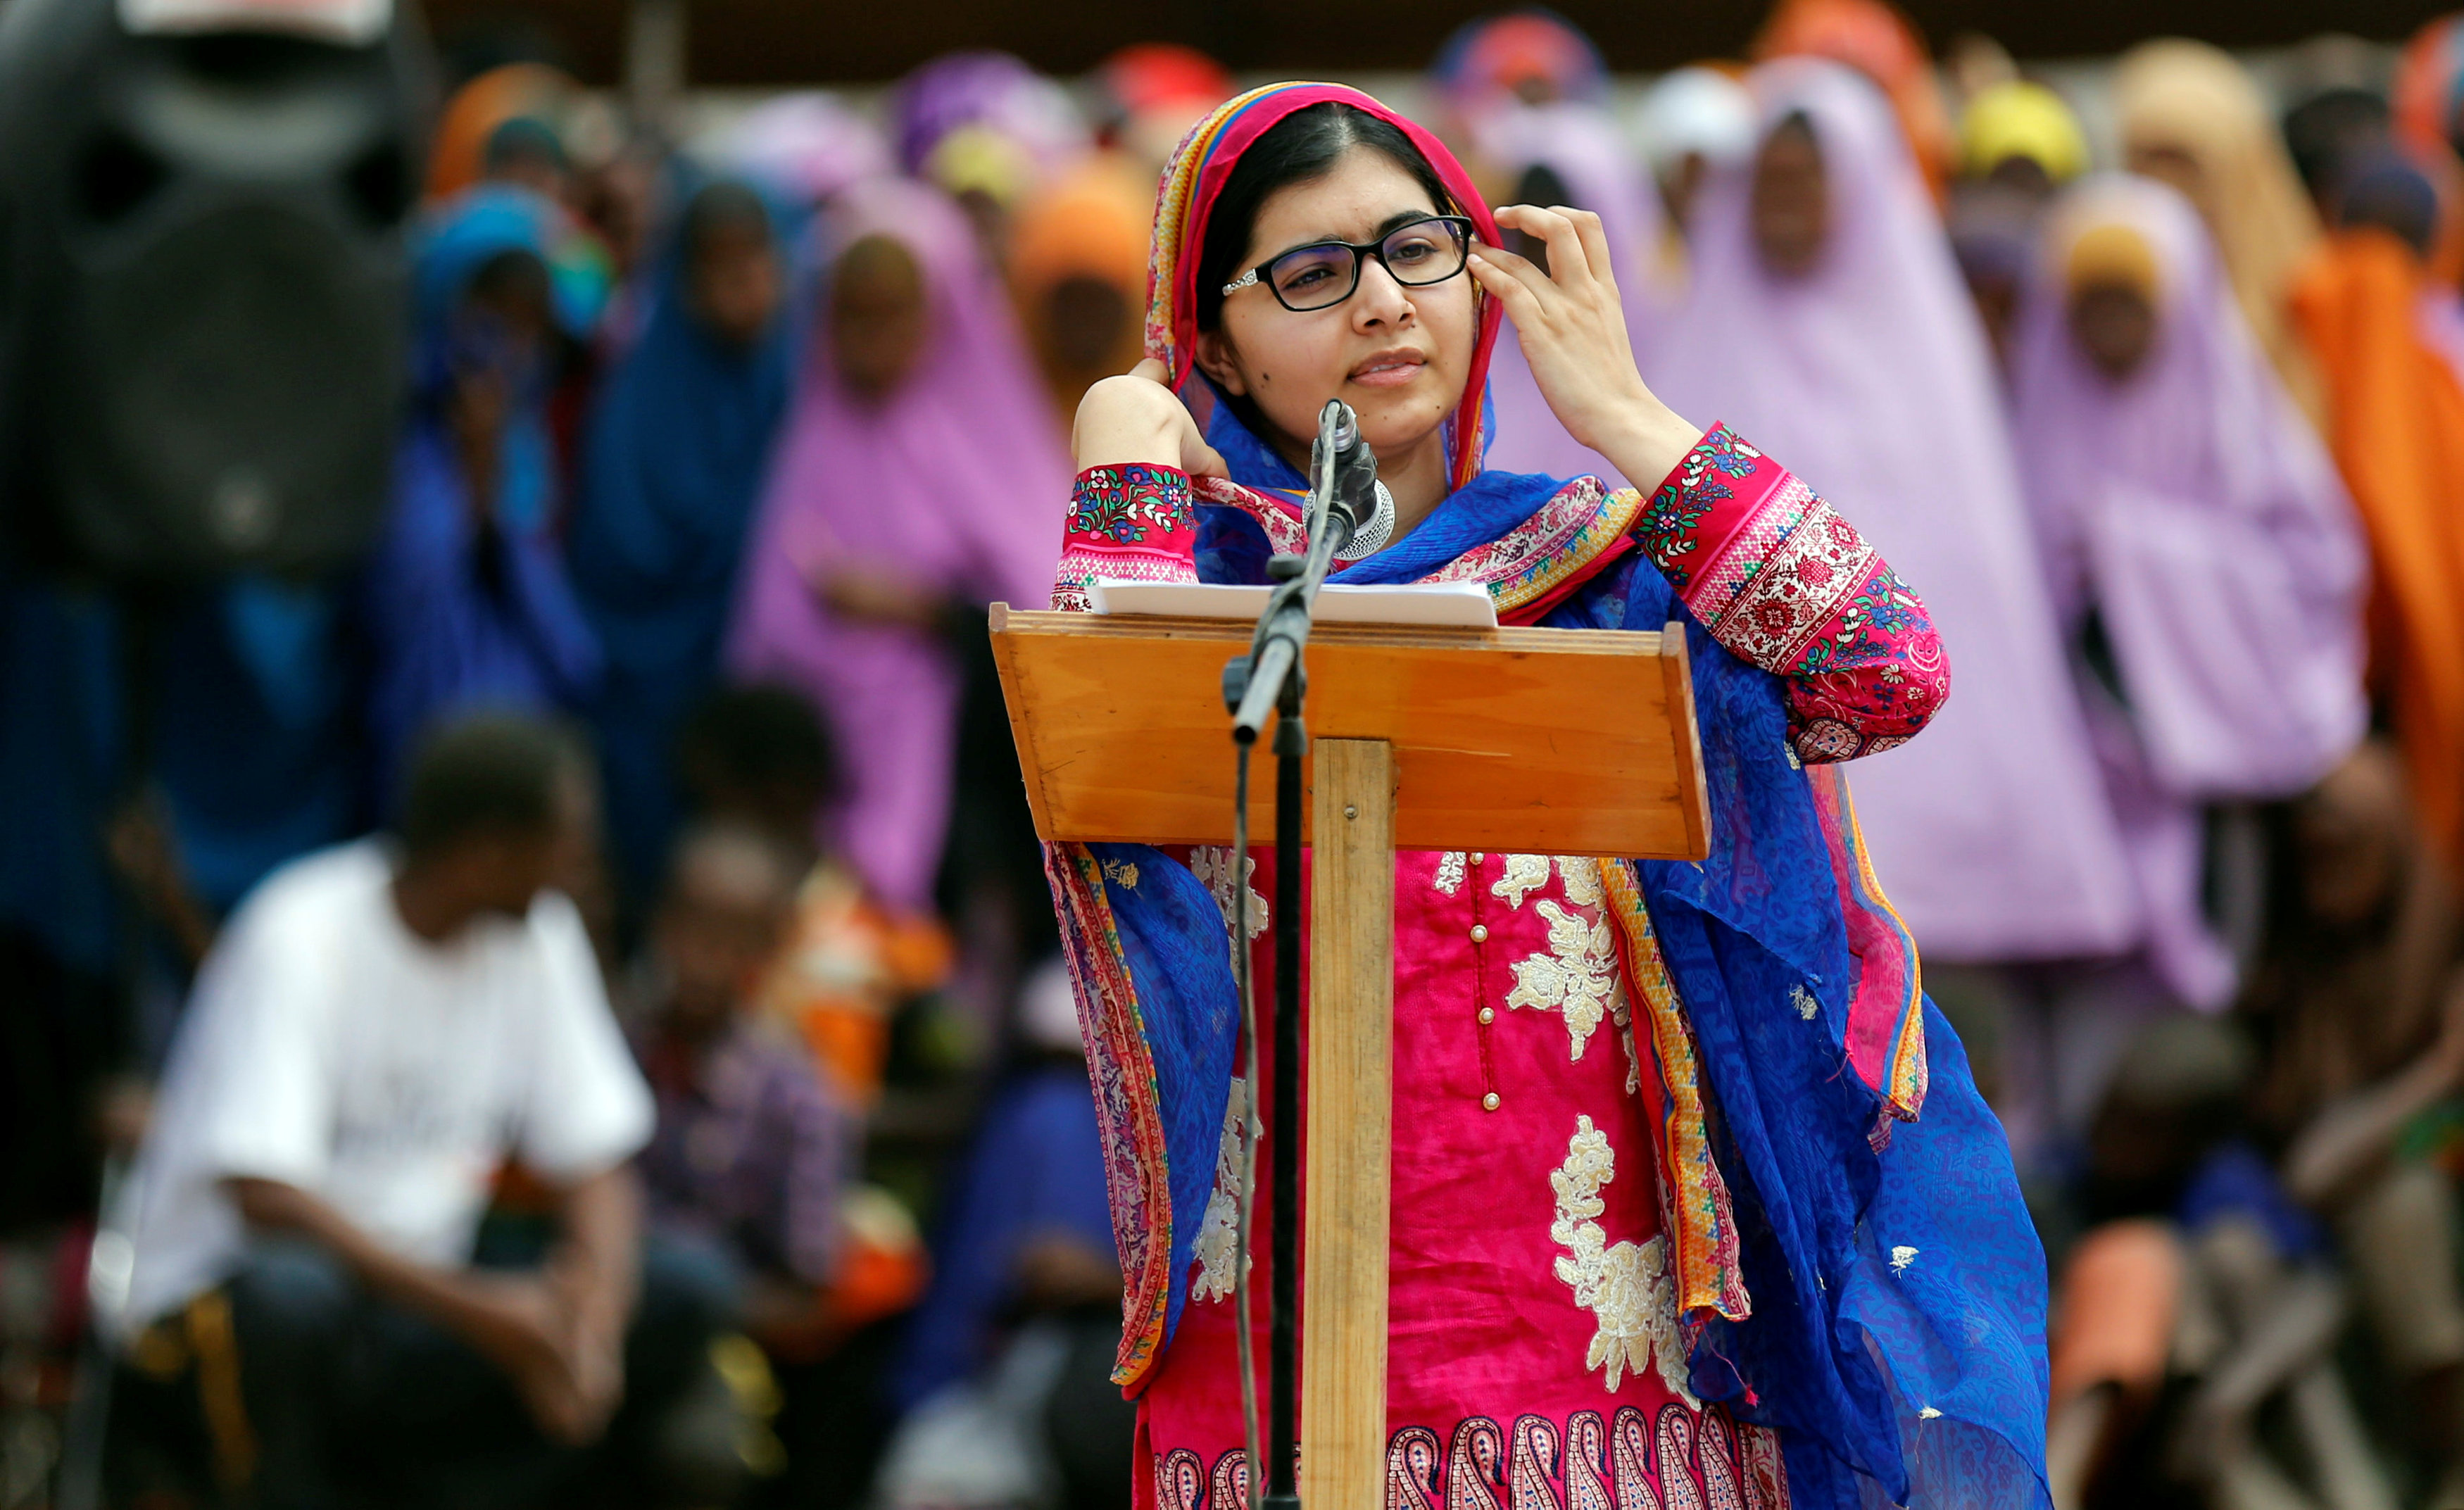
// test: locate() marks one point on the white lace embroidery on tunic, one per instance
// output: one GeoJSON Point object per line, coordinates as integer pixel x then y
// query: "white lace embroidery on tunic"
{"type": "Point", "coordinates": [1449, 878]}
{"type": "Point", "coordinates": [1624, 1286]}
{"type": "Point", "coordinates": [1212, 866]}
{"type": "Point", "coordinates": [1578, 977]}
{"type": "Point", "coordinates": [1582, 881]}
{"type": "Point", "coordinates": [1524, 875]}
{"type": "Point", "coordinates": [1219, 1231]}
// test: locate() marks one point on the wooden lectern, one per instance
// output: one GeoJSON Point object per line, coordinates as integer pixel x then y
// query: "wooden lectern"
{"type": "Point", "coordinates": [1537, 741]}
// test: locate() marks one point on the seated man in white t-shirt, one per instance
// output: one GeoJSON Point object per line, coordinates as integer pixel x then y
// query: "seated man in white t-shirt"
{"type": "Point", "coordinates": [380, 1028]}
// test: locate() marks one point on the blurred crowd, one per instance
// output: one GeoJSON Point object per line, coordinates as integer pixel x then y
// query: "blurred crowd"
{"type": "Point", "coordinates": [606, 928]}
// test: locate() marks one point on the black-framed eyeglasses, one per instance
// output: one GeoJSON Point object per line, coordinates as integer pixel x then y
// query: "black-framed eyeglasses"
{"type": "Point", "coordinates": [1323, 273]}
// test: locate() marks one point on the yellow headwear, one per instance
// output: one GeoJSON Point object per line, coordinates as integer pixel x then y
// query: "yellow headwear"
{"type": "Point", "coordinates": [2019, 119]}
{"type": "Point", "coordinates": [2109, 252]}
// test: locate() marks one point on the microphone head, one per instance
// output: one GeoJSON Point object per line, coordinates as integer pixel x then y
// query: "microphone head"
{"type": "Point", "coordinates": [1346, 426]}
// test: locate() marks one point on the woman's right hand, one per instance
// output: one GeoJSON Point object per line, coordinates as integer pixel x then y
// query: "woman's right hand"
{"type": "Point", "coordinates": [1134, 420]}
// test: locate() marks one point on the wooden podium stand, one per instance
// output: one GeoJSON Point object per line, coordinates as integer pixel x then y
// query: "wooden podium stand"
{"type": "Point", "coordinates": [1537, 741]}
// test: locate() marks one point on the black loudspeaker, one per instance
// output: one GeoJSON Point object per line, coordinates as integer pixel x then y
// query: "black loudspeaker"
{"type": "Point", "coordinates": [203, 209]}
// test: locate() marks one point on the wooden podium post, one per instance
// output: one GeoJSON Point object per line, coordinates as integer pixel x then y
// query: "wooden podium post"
{"type": "Point", "coordinates": [1538, 741]}
{"type": "Point", "coordinates": [1351, 1109]}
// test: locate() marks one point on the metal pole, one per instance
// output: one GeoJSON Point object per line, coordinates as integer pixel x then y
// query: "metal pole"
{"type": "Point", "coordinates": [1282, 1350]}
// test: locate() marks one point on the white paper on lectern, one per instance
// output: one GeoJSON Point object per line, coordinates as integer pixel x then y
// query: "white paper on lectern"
{"type": "Point", "coordinates": [1461, 605]}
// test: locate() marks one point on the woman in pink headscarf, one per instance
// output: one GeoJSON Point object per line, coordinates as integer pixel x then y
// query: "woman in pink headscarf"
{"type": "Point", "coordinates": [1826, 318]}
{"type": "Point", "coordinates": [1567, 152]}
{"type": "Point", "coordinates": [916, 482]}
{"type": "Point", "coordinates": [2200, 548]}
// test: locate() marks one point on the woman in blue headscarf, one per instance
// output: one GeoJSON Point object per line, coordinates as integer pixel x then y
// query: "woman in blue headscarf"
{"type": "Point", "coordinates": [466, 600]}
{"type": "Point", "coordinates": [672, 466]}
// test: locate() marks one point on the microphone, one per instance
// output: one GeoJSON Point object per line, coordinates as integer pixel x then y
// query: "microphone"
{"type": "Point", "coordinates": [1354, 498]}
{"type": "Point", "coordinates": [1354, 505]}
{"type": "Point", "coordinates": [1342, 500]}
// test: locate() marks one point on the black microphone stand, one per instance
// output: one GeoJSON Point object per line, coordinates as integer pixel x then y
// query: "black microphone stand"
{"type": "Point", "coordinates": [1270, 676]}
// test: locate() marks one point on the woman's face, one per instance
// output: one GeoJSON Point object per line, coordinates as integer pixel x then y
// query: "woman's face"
{"type": "Point", "coordinates": [1792, 200]}
{"type": "Point", "coordinates": [2115, 327]}
{"type": "Point", "coordinates": [877, 317]}
{"type": "Point", "coordinates": [1084, 320]}
{"type": "Point", "coordinates": [500, 335]}
{"type": "Point", "coordinates": [737, 282]}
{"type": "Point", "coordinates": [1398, 355]}
{"type": "Point", "coordinates": [2350, 834]}
{"type": "Point", "coordinates": [2171, 163]}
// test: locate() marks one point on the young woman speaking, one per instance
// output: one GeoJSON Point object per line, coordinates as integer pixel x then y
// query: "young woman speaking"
{"type": "Point", "coordinates": [1695, 1203]}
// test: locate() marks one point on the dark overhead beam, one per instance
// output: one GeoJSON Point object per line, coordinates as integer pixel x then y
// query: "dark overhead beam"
{"type": "Point", "coordinates": [765, 42]}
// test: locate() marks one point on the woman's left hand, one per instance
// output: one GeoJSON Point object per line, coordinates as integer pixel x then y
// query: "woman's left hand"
{"type": "Point", "coordinates": [1572, 323]}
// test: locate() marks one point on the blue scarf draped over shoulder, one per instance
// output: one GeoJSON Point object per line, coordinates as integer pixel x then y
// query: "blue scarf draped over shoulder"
{"type": "Point", "coordinates": [1897, 1286]}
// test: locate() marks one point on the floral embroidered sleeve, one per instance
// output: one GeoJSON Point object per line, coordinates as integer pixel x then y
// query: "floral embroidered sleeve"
{"type": "Point", "coordinates": [1785, 583]}
{"type": "Point", "coordinates": [1133, 522]}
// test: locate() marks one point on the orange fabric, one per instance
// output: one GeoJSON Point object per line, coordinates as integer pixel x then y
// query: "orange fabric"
{"type": "Point", "coordinates": [876, 1282]}
{"type": "Point", "coordinates": [2430, 83]}
{"type": "Point", "coordinates": [479, 107]}
{"type": "Point", "coordinates": [2115, 1310]}
{"type": "Point", "coordinates": [848, 964]}
{"type": "Point", "coordinates": [1164, 75]}
{"type": "Point", "coordinates": [883, 1269]}
{"type": "Point", "coordinates": [1097, 223]}
{"type": "Point", "coordinates": [2396, 415]}
{"type": "Point", "coordinates": [1878, 41]}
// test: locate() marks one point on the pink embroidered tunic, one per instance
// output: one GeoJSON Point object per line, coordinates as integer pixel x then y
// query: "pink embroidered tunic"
{"type": "Point", "coordinates": [1536, 1359]}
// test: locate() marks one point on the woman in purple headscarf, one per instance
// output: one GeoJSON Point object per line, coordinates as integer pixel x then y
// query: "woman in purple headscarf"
{"type": "Point", "coordinates": [2202, 554]}
{"type": "Point", "coordinates": [1567, 152]}
{"type": "Point", "coordinates": [917, 481]}
{"type": "Point", "coordinates": [1827, 319]}
{"type": "Point", "coordinates": [988, 129]}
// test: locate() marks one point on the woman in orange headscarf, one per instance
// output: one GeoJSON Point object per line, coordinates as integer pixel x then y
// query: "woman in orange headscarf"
{"type": "Point", "coordinates": [472, 117]}
{"type": "Point", "coordinates": [1878, 41]}
{"type": "Point", "coordinates": [1078, 272]}
{"type": "Point", "coordinates": [2395, 415]}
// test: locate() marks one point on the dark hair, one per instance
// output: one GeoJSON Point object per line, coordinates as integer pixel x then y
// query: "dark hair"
{"type": "Point", "coordinates": [1796, 123]}
{"type": "Point", "coordinates": [516, 273]}
{"type": "Point", "coordinates": [1539, 184]}
{"type": "Point", "coordinates": [2323, 130]}
{"type": "Point", "coordinates": [744, 738]}
{"type": "Point", "coordinates": [2385, 190]}
{"type": "Point", "coordinates": [524, 138]}
{"type": "Point", "coordinates": [1298, 149]}
{"type": "Point", "coordinates": [486, 774]}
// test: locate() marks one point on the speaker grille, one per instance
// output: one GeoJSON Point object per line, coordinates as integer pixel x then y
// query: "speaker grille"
{"type": "Point", "coordinates": [243, 373]}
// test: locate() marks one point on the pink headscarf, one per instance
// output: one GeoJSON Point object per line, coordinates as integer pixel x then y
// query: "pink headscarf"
{"type": "Point", "coordinates": [1194, 180]}
{"type": "Point", "coordinates": [1582, 145]}
{"type": "Point", "coordinates": [2192, 506]}
{"type": "Point", "coordinates": [957, 480]}
{"type": "Point", "coordinates": [1869, 376]}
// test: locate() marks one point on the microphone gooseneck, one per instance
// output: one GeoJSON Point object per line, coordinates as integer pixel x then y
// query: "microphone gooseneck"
{"type": "Point", "coordinates": [1356, 498]}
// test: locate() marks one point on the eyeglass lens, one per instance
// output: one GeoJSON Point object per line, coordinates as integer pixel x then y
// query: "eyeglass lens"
{"type": "Point", "coordinates": [1315, 277]}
